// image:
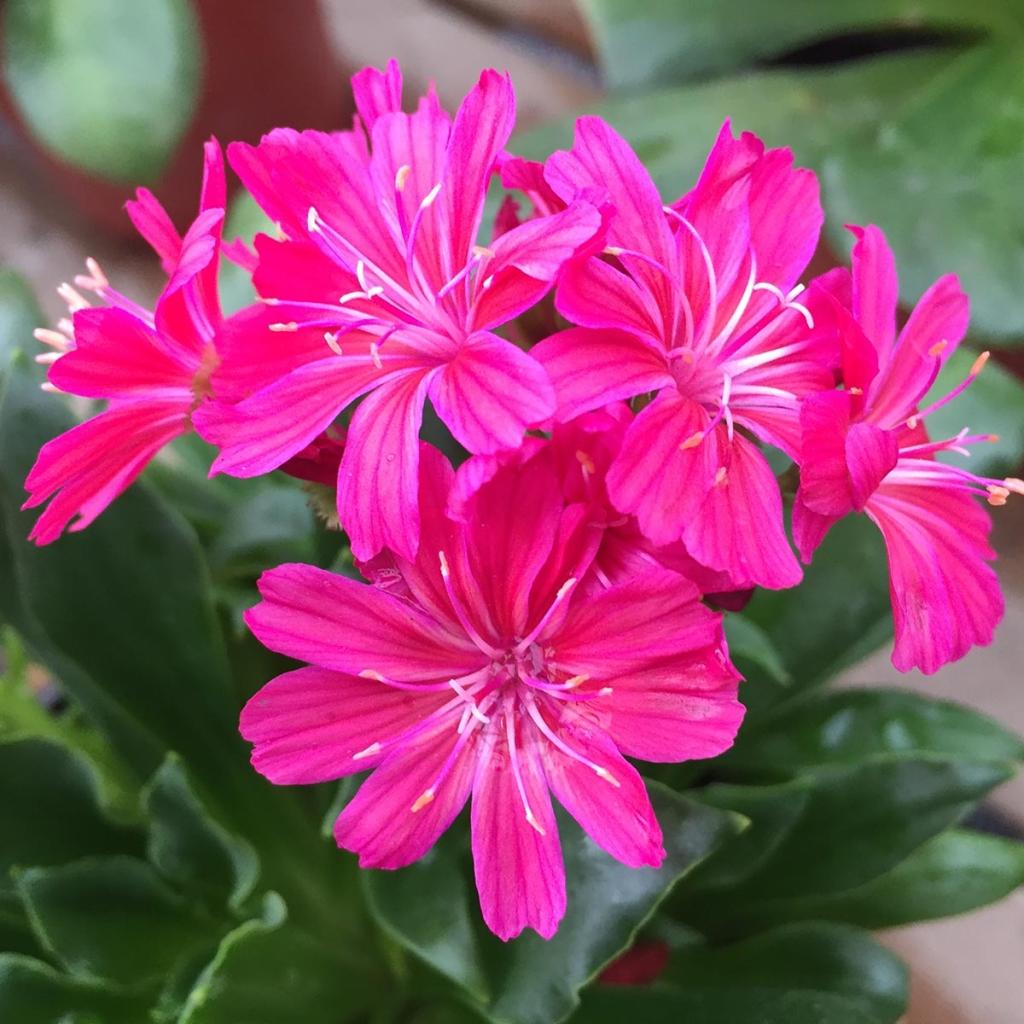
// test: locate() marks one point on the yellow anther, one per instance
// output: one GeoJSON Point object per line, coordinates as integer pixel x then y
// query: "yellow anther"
{"type": "Point", "coordinates": [422, 800]}
{"type": "Point", "coordinates": [692, 441]}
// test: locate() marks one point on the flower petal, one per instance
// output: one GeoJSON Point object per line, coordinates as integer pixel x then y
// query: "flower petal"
{"type": "Point", "coordinates": [490, 393]}
{"type": "Point", "coordinates": [378, 481]}
{"type": "Point", "coordinates": [809, 528]}
{"type": "Point", "coordinates": [591, 368]}
{"type": "Point", "coordinates": [117, 355]}
{"type": "Point", "coordinates": [664, 470]}
{"type": "Point", "coordinates": [739, 528]}
{"type": "Point", "coordinates": [601, 159]}
{"type": "Point", "coordinates": [875, 288]}
{"type": "Point", "coordinates": [388, 823]}
{"type": "Point", "coordinates": [265, 430]}
{"type": "Point", "coordinates": [622, 629]}
{"type": "Point", "coordinates": [313, 615]}
{"type": "Point", "coordinates": [519, 871]}
{"type": "Point", "coordinates": [290, 171]}
{"type": "Point", "coordinates": [482, 126]}
{"type": "Point", "coordinates": [592, 293]}
{"type": "Point", "coordinates": [89, 465]}
{"type": "Point", "coordinates": [377, 92]}
{"type": "Point", "coordinates": [679, 709]}
{"type": "Point", "coordinates": [613, 809]}
{"type": "Point", "coordinates": [930, 337]}
{"type": "Point", "coordinates": [314, 725]}
{"type": "Point", "coordinates": [511, 527]}
{"type": "Point", "coordinates": [945, 597]}
{"type": "Point", "coordinates": [527, 259]}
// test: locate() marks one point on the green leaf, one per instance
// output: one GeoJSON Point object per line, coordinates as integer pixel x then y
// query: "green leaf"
{"type": "Point", "coordinates": [879, 130]}
{"type": "Point", "coordinates": [824, 834]}
{"type": "Point", "coordinates": [22, 716]}
{"type": "Point", "coordinates": [993, 404]}
{"type": "Point", "coordinates": [148, 638]}
{"type": "Point", "coordinates": [852, 726]}
{"type": "Point", "coordinates": [111, 919]}
{"type": "Point", "coordinates": [674, 40]}
{"type": "Point", "coordinates": [50, 808]}
{"type": "Point", "coordinates": [266, 971]}
{"type": "Point", "coordinates": [952, 873]}
{"type": "Point", "coordinates": [32, 992]}
{"type": "Point", "coordinates": [430, 909]}
{"type": "Point", "coordinates": [20, 315]}
{"type": "Point", "coordinates": [661, 1006]}
{"type": "Point", "coordinates": [812, 958]}
{"type": "Point", "coordinates": [271, 524]}
{"type": "Point", "coordinates": [838, 615]}
{"type": "Point", "coordinates": [190, 848]}
{"type": "Point", "coordinates": [107, 86]}
{"type": "Point", "coordinates": [749, 642]}
{"type": "Point", "coordinates": [529, 979]}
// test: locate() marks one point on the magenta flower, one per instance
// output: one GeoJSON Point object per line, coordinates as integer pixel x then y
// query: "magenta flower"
{"type": "Point", "coordinates": [696, 303]}
{"type": "Point", "coordinates": [493, 666]}
{"type": "Point", "coordinates": [379, 288]}
{"type": "Point", "coordinates": [152, 368]}
{"type": "Point", "coordinates": [866, 449]}
{"type": "Point", "coordinates": [580, 453]}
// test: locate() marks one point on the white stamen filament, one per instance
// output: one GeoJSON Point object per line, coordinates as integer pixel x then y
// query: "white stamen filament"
{"type": "Point", "coordinates": [460, 611]}
{"type": "Point", "coordinates": [538, 719]}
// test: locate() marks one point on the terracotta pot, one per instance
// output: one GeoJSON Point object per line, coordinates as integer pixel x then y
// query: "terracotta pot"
{"type": "Point", "coordinates": [264, 64]}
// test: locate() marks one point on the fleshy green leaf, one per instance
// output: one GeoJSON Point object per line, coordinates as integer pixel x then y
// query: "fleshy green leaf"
{"type": "Point", "coordinates": [22, 716]}
{"type": "Point", "coordinates": [269, 525]}
{"type": "Point", "coordinates": [111, 919]}
{"type": "Point", "coordinates": [189, 847]}
{"type": "Point", "coordinates": [956, 871]}
{"type": "Point", "coordinates": [32, 992]}
{"type": "Point", "coordinates": [529, 980]}
{"type": "Point", "coordinates": [824, 834]}
{"type": "Point", "coordinates": [878, 129]}
{"type": "Point", "coordinates": [107, 86]}
{"type": "Point", "coordinates": [661, 1006]}
{"type": "Point", "coordinates": [268, 972]}
{"type": "Point", "coordinates": [852, 726]}
{"type": "Point", "coordinates": [838, 615]}
{"type": "Point", "coordinates": [814, 958]}
{"type": "Point", "coordinates": [430, 908]}
{"type": "Point", "coordinates": [749, 642]}
{"type": "Point", "coordinates": [674, 40]}
{"type": "Point", "coordinates": [50, 809]}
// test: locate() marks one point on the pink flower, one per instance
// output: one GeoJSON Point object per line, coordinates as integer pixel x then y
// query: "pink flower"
{"type": "Point", "coordinates": [379, 288]}
{"type": "Point", "coordinates": [580, 453]}
{"type": "Point", "coordinates": [152, 368]}
{"type": "Point", "coordinates": [866, 449]}
{"type": "Point", "coordinates": [696, 303]}
{"type": "Point", "coordinates": [496, 666]}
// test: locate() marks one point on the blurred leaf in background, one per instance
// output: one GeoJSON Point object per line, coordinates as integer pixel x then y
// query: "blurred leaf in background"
{"type": "Point", "coordinates": [929, 143]}
{"type": "Point", "coordinates": [106, 85]}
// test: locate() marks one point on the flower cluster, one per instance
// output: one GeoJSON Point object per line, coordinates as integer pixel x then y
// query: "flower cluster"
{"type": "Point", "coordinates": [541, 611]}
